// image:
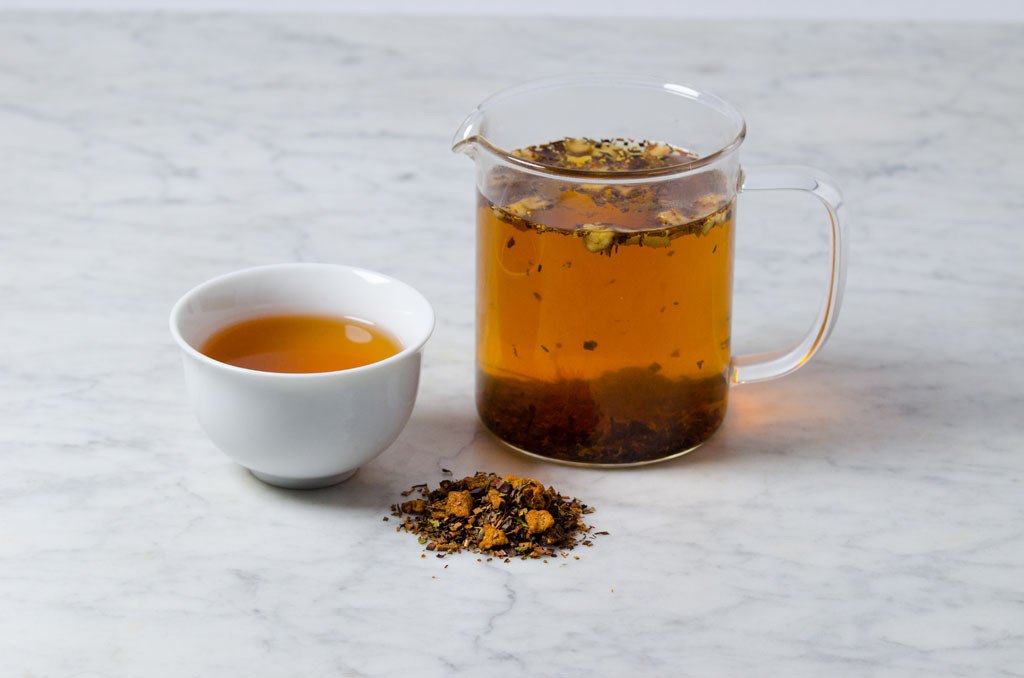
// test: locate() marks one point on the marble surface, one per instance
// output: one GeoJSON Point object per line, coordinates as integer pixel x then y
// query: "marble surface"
{"type": "Point", "coordinates": [862, 517]}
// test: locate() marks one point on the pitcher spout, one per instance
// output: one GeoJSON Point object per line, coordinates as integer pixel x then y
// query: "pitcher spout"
{"type": "Point", "coordinates": [468, 134]}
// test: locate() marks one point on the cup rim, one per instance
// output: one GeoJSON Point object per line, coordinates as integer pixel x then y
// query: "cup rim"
{"type": "Point", "coordinates": [177, 309]}
{"type": "Point", "coordinates": [468, 133]}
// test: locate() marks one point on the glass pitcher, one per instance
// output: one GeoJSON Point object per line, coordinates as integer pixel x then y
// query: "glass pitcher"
{"type": "Point", "coordinates": [605, 231]}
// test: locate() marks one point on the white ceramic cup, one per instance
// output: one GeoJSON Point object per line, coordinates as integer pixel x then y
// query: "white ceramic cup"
{"type": "Point", "coordinates": [313, 429]}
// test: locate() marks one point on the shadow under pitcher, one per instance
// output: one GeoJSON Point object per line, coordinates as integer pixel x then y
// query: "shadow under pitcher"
{"type": "Point", "coordinates": [605, 231]}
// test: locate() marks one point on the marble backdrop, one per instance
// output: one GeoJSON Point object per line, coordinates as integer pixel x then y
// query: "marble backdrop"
{"type": "Point", "coordinates": [862, 517]}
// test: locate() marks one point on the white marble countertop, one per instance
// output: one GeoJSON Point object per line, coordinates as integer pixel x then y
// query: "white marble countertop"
{"type": "Point", "coordinates": [862, 517]}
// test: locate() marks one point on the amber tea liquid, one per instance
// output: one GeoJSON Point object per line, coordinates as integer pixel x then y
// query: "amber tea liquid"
{"type": "Point", "coordinates": [603, 311]}
{"type": "Point", "coordinates": [301, 344]}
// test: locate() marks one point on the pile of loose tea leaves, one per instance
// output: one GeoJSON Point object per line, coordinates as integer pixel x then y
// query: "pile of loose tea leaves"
{"type": "Point", "coordinates": [499, 517]}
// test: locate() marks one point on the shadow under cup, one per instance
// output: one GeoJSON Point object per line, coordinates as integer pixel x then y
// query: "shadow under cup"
{"type": "Point", "coordinates": [311, 429]}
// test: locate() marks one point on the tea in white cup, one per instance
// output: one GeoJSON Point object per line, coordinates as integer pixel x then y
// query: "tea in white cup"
{"type": "Point", "coordinates": [303, 429]}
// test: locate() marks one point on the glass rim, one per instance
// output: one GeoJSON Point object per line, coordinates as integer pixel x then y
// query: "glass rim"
{"type": "Point", "coordinates": [469, 134]}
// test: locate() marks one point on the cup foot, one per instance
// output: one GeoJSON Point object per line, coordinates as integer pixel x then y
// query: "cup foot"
{"type": "Point", "coordinates": [303, 483]}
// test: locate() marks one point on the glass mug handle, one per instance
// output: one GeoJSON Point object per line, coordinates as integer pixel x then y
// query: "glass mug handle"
{"type": "Point", "coordinates": [747, 369]}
